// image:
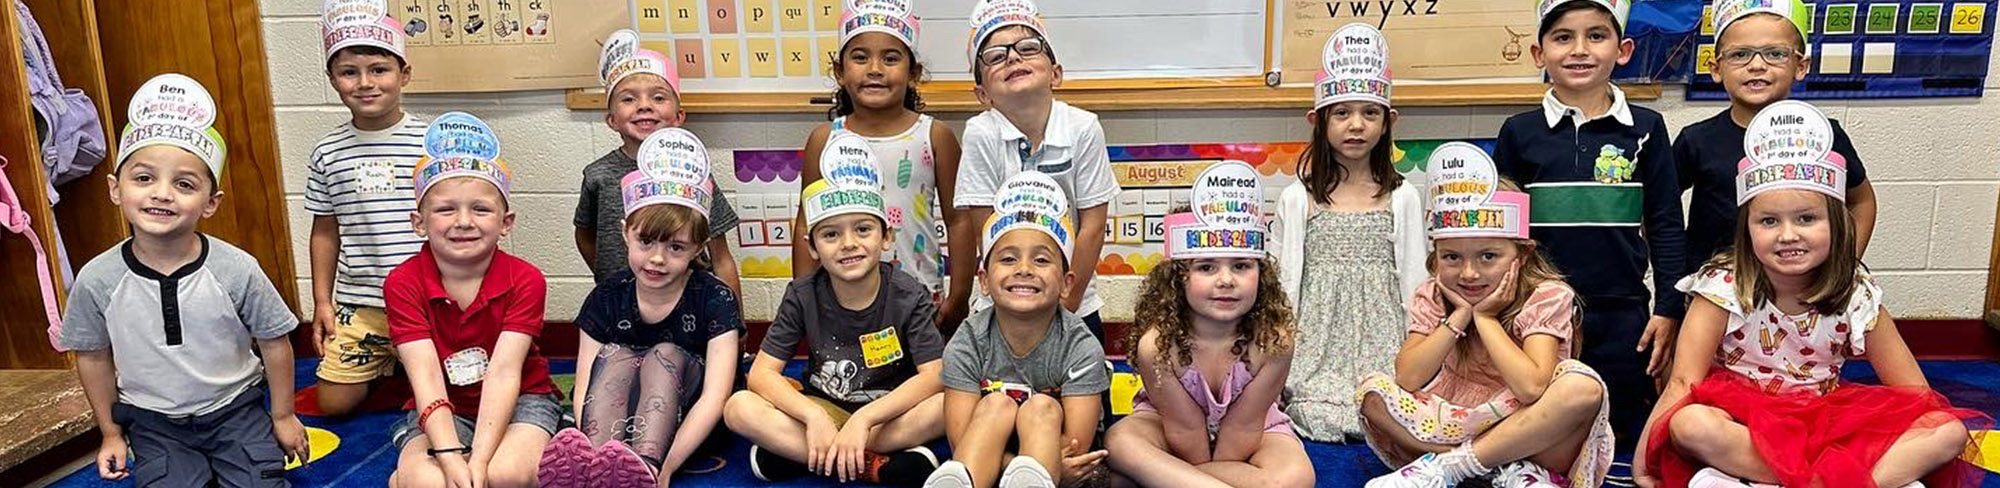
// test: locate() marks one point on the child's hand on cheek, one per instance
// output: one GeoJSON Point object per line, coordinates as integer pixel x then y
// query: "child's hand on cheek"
{"type": "Point", "coordinates": [1501, 296]}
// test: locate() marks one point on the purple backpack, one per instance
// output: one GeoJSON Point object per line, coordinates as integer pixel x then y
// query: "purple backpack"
{"type": "Point", "coordinates": [68, 123]}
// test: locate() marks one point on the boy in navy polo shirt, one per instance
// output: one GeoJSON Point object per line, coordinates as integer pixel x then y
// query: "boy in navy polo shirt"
{"type": "Point", "coordinates": [1599, 169]}
{"type": "Point", "coordinates": [163, 325]}
{"type": "Point", "coordinates": [1761, 46]}
{"type": "Point", "coordinates": [464, 317]}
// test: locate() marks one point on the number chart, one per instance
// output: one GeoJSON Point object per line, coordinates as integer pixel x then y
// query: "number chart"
{"type": "Point", "coordinates": [1880, 49]}
{"type": "Point", "coordinates": [1155, 179]}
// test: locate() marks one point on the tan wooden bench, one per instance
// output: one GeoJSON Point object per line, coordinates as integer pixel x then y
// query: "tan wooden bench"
{"type": "Point", "coordinates": [40, 409]}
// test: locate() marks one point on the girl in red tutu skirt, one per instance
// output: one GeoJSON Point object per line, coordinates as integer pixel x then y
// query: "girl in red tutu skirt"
{"type": "Point", "coordinates": [1755, 396]}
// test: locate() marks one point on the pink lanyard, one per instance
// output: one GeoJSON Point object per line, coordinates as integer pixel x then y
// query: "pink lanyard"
{"type": "Point", "coordinates": [15, 220]}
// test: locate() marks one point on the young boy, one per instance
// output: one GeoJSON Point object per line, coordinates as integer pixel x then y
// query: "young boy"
{"type": "Point", "coordinates": [1023, 378]}
{"type": "Point", "coordinates": [178, 313]}
{"type": "Point", "coordinates": [1015, 72]}
{"type": "Point", "coordinates": [464, 317]}
{"type": "Point", "coordinates": [1761, 50]}
{"type": "Point", "coordinates": [359, 194]}
{"type": "Point", "coordinates": [1599, 169]}
{"type": "Point", "coordinates": [872, 383]}
{"type": "Point", "coordinates": [642, 95]}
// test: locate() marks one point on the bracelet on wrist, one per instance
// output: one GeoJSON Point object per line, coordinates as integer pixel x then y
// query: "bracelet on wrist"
{"type": "Point", "coordinates": [460, 450]}
{"type": "Point", "coordinates": [424, 418]}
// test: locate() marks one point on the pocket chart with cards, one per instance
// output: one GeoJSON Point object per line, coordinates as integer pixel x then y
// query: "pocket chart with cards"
{"type": "Point", "coordinates": [1880, 49]}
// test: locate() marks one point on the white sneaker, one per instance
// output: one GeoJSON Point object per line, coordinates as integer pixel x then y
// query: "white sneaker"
{"type": "Point", "coordinates": [1715, 478]}
{"type": "Point", "coordinates": [1523, 474]}
{"type": "Point", "coordinates": [951, 474]}
{"type": "Point", "coordinates": [1025, 472]}
{"type": "Point", "coordinates": [1421, 473]}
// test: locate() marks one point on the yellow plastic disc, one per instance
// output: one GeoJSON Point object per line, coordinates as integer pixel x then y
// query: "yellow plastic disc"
{"type": "Point", "coordinates": [321, 442]}
{"type": "Point", "coordinates": [1984, 450]}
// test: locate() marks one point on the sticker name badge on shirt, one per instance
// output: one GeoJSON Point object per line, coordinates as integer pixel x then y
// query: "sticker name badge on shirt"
{"type": "Point", "coordinates": [881, 348]}
{"type": "Point", "coordinates": [375, 176]}
{"type": "Point", "coordinates": [465, 367]}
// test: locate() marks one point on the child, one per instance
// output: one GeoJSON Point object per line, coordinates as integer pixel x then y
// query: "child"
{"type": "Point", "coordinates": [359, 194]}
{"type": "Point", "coordinates": [872, 384]}
{"type": "Point", "coordinates": [464, 316]}
{"type": "Point", "coordinates": [1014, 71]}
{"type": "Point", "coordinates": [178, 312]}
{"type": "Point", "coordinates": [1762, 52]}
{"type": "Point", "coordinates": [1357, 249]}
{"type": "Point", "coordinates": [1214, 341]}
{"type": "Point", "coordinates": [657, 357]}
{"type": "Point", "coordinates": [642, 96]}
{"type": "Point", "coordinates": [1487, 380]}
{"type": "Point", "coordinates": [1756, 392]}
{"type": "Point", "coordinates": [1023, 378]}
{"type": "Point", "coordinates": [877, 71]}
{"type": "Point", "coordinates": [1601, 169]}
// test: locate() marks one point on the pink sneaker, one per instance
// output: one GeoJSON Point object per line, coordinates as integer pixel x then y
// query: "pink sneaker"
{"type": "Point", "coordinates": [616, 466]}
{"type": "Point", "coordinates": [564, 460]}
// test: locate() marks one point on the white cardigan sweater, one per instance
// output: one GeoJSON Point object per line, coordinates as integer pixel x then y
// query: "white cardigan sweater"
{"type": "Point", "coordinates": [1406, 205]}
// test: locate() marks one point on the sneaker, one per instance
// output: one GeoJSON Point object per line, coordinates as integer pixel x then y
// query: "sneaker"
{"type": "Point", "coordinates": [1025, 472]}
{"type": "Point", "coordinates": [907, 468]}
{"type": "Point", "coordinates": [1421, 473]}
{"type": "Point", "coordinates": [770, 467]}
{"type": "Point", "coordinates": [565, 459]}
{"type": "Point", "coordinates": [616, 466]}
{"type": "Point", "coordinates": [1715, 478]}
{"type": "Point", "coordinates": [951, 474]}
{"type": "Point", "coordinates": [1523, 474]}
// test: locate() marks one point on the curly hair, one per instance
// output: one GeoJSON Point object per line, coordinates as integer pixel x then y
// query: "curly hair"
{"type": "Point", "coordinates": [1163, 306]}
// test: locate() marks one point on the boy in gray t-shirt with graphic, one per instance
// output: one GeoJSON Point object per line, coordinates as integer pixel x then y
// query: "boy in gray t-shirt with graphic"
{"type": "Point", "coordinates": [1024, 378]}
{"type": "Point", "coordinates": [188, 308]}
{"type": "Point", "coordinates": [872, 396]}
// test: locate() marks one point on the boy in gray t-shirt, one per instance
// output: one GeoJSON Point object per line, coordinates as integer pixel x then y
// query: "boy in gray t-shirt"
{"type": "Point", "coordinates": [179, 312]}
{"type": "Point", "coordinates": [1024, 378]}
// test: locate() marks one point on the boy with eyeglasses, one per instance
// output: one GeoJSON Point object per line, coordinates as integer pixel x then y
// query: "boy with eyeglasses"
{"type": "Point", "coordinates": [1026, 129]}
{"type": "Point", "coordinates": [1760, 46]}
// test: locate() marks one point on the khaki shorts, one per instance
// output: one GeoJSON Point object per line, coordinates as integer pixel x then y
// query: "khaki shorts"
{"type": "Point", "coordinates": [359, 350]}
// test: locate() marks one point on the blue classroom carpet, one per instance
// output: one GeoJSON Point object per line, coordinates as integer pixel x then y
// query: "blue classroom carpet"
{"type": "Point", "coordinates": [365, 458]}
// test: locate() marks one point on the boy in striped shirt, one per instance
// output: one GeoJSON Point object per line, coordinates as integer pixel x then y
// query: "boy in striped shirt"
{"type": "Point", "coordinates": [359, 193]}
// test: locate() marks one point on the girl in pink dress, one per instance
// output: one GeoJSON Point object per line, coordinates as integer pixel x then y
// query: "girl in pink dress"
{"type": "Point", "coordinates": [1487, 383]}
{"type": "Point", "coordinates": [1213, 344]}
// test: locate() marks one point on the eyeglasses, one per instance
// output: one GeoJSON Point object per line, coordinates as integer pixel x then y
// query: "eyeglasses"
{"type": "Point", "coordinates": [1027, 48]}
{"type": "Point", "coordinates": [1771, 55]}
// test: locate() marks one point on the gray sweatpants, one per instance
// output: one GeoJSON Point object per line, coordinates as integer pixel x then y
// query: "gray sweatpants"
{"type": "Point", "coordinates": [232, 447]}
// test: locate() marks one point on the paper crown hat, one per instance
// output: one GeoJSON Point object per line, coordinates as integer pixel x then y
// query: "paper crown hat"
{"type": "Point", "coordinates": [1466, 199]}
{"type": "Point", "coordinates": [892, 17]}
{"type": "Point", "coordinates": [1030, 200]}
{"type": "Point", "coordinates": [1354, 65]}
{"type": "Point", "coordinates": [622, 57]}
{"type": "Point", "coordinates": [173, 110]}
{"type": "Point", "coordinates": [459, 145]}
{"type": "Point", "coordinates": [673, 170]}
{"type": "Point", "coordinates": [1225, 221]}
{"type": "Point", "coordinates": [1789, 146]}
{"type": "Point", "coordinates": [348, 23]}
{"type": "Point", "coordinates": [989, 16]}
{"type": "Point", "coordinates": [849, 181]}
{"type": "Point", "coordinates": [1620, 10]}
{"type": "Point", "coordinates": [1726, 12]}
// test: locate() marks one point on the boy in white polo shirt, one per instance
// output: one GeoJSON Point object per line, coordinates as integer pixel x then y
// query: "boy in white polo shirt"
{"type": "Point", "coordinates": [1027, 129]}
{"type": "Point", "coordinates": [358, 191]}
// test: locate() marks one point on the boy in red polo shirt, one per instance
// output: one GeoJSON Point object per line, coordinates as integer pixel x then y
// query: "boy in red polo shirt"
{"type": "Point", "coordinates": [464, 317]}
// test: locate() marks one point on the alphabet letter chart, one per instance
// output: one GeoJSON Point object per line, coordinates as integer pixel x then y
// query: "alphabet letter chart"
{"type": "Point", "coordinates": [505, 45]}
{"type": "Point", "coordinates": [743, 45]}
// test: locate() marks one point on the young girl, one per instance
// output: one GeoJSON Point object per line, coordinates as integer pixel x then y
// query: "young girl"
{"type": "Point", "coordinates": [1756, 394]}
{"type": "Point", "coordinates": [877, 71]}
{"type": "Point", "coordinates": [1213, 343]}
{"type": "Point", "coordinates": [657, 356]}
{"type": "Point", "coordinates": [1487, 377]}
{"type": "Point", "coordinates": [1358, 246]}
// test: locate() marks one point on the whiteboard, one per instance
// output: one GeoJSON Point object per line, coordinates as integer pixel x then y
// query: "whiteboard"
{"type": "Point", "coordinates": [1093, 39]}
